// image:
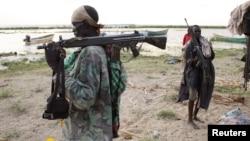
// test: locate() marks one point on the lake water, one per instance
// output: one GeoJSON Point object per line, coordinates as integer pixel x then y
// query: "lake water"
{"type": "Point", "coordinates": [12, 40]}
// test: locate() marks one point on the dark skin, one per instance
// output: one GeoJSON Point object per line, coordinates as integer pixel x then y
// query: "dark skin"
{"type": "Point", "coordinates": [197, 32]}
{"type": "Point", "coordinates": [83, 29]}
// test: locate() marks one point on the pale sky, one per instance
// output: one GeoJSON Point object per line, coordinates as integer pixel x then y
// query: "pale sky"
{"type": "Point", "coordinates": [141, 12]}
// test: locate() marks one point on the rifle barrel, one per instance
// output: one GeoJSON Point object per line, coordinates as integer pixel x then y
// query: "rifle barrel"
{"type": "Point", "coordinates": [124, 39]}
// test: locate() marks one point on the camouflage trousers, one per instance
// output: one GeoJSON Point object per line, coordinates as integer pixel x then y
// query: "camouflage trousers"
{"type": "Point", "coordinates": [89, 136]}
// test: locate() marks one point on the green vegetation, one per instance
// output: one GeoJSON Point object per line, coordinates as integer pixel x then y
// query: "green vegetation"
{"type": "Point", "coordinates": [38, 89]}
{"type": "Point", "coordinates": [23, 65]}
{"type": "Point", "coordinates": [35, 27]}
{"type": "Point", "coordinates": [220, 53]}
{"type": "Point", "coordinates": [166, 114]}
{"type": "Point", "coordinates": [147, 138]}
{"type": "Point", "coordinates": [145, 63]}
{"type": "Point", "coordinates": [226, 89]}
{"type": "Point", "coordinates": [17, 108]}
{"type": "Point", "coordinates": [5, 93]}
{"type": "Point", "coordinates": [152, 77]}
{"type": "Point", "coordinates": [12, 135]}
{"type": "Point", "coordinates": [106, 26]}
{"type": "Point", "coordinates": [148, 64]}
{"type": "Point", "coordinates": [172, 97]}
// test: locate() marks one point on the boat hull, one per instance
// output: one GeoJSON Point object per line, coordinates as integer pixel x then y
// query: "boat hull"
{"type": "Point", "coordinates": [156, 33]}
{"type": "Point", "coordinates": [38, 40]}
{"type": "Point", "coordinates": [221, 38]}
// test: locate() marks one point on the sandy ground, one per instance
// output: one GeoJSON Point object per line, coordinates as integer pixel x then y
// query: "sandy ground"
{"type": "Point", "coordinates": [23, 101]}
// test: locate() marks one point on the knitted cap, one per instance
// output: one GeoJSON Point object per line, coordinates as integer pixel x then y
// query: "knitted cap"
{"type": "Point", "coordinates": [82, 13]}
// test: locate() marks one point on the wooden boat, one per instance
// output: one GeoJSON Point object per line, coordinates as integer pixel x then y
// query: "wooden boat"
{"type": "Point", "coordinates": [222, 38]}
{"type": "Point", "coordinates": [38, 40]}
{"type": "Point", "coordinates": [8, 54]}
{"type": "Point", "coordinates": [156, 33]}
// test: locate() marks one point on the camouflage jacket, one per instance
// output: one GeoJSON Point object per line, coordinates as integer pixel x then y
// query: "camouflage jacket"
{"type": "Point", "coordinates": [88, 90]}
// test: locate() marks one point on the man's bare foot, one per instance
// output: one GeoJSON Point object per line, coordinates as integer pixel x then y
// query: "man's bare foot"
{"type": "Point", "coordinates": [193, 125]}
{"type": "Point", "coordinates": [197, 119]}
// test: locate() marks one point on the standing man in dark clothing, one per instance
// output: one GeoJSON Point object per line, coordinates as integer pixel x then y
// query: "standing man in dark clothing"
{"type": "Point", "coordinates": [199, 75]}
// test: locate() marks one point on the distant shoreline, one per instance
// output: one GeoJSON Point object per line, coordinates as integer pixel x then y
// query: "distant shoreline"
{"type": "Point", "coordinates": [33, 27]}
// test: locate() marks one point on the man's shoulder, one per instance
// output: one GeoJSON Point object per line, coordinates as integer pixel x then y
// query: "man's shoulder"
{"type": "Point", "coordinates": [91, 47]}
{"type": "Point", "coordinates": [94, 48]}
